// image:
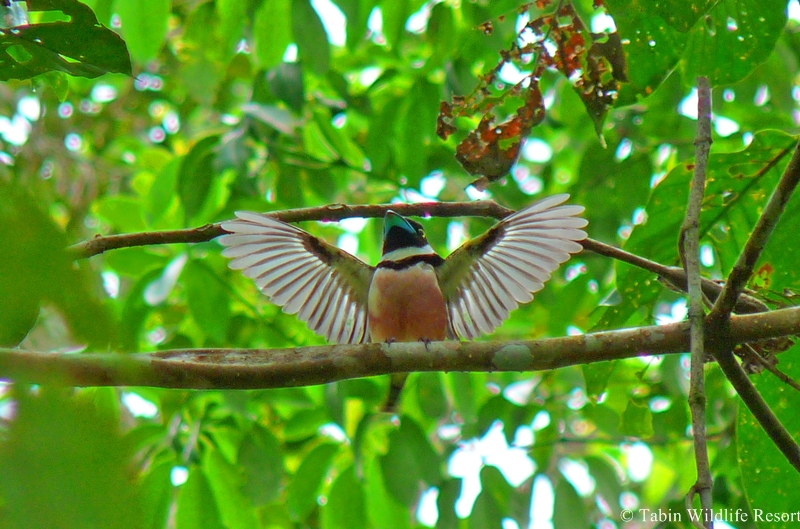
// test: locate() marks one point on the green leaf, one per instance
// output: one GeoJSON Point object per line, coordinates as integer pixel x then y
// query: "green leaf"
{"type": "Point", "coordinates": [285, 82]}
{"type": "Point", "coordinates": [144, 26]}
{"type": "Point", "coordinates": [357, 13]}
{"type": "Point", "coordinates": [289, 186]}
{"type": "Point", "coordinates": [162, 193]}
{"type": "Point", "coordinates": [305, 484]}
{"type": "Point", "coordinates": [232, 15]}
{"type": "Point", "coordinates": [346, 507]}
{"type": "Point", "coordinates": [739, 184]}
{"type": "Point", "coordinates": [135, 311]}
{"type": "Point", "coordinates": [767, 476]}
{"type": "Point", "coordinates": [79, 47]}
{"type": "Point", "coordinates": [410, 460]}
{"type": "Point", "coordinates": [347, 149]}
{"type": "Point", "coordinates": [196, 507]}
{"type": "Point", "coordinates": [569, 510]}
{"type": "Point", "coordinates": [35, 269]}
{"type": "Point", "coordinates": [236, 511]}
{"type": "Point", "coordinates": [596, 377]}
{"type": "Point", "coordinates": [260, 459]}
{"type": "Point", "coordinates": [449, 492]}
{"type": "Point", "coordinates": [309, 34]}
{"type": "Point", "coordinates": [395, 14]}
{"type": "Point", "coordinates": [683, 14]}
{"type": "Point", "coordinates": [492, 503]}
{"type": "Point", "coordinates": [208, 299]}
{"type": "Point", "coordinates": [196, 174]}
{"type": "Point", "coordinates": [416, 131]}
{"type": "Point", "coordinates": [383, 510]}
{"type": "Point", "coordinates": [272, 32]}
{"type": "Point", "coordinates": [124, 213]}
{"type": "Point", "coordinates": [733, 39]}
{"type": "Point", "coordinates": [305, 423]}
{"type": "Point", "coordinates": [430, 395]}
{"type": "Point", "coordinates": [636, 420]}
{"type": "Point", "coordinates": [652, 47]}
{"type": "Point", "coordinates": [607, 481]}
{"type": "Point", "coordinates": [463, 391]}
{"type": "Point", "coordinates": [157, 495]}
{"type": "Point", "coordinates": [75, 474]}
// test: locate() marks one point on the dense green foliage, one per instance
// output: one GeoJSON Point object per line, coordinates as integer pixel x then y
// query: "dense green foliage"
{"type": "Point", "coordinates": [217, 116]}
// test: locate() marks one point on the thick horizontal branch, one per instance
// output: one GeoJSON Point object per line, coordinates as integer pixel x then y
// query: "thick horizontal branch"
{"type": "Point", "coordinates": [278, 368]}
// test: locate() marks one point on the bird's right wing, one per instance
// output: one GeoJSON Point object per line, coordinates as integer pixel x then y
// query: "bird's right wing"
{"type": "Point", "coordinates": [326, 287]}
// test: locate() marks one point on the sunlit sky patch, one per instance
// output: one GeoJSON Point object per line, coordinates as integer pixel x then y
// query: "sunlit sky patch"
{"type": "Point", "coordinates": [433, 184]}
{"type": "Point", "coordinates": [603, 22]}
{"type": "Point", "coordinates": [418, 22]}
{"type": "Point", "coordinates": [428, 512]}
{"type": "Point", "coordinates": [677, 312]}
{"type": "Point", "coordinates": [139, 406]}
{"type": "Point", "coordinates": [29, 108]}
{"type": "Point", "coordinates": [492, 449]}
{"type": "Point", "coordinates": [178, 476]}
{"type": "Point", "coordinates": [542, 499]}
{"type": "Point", "coordinates": [158, 290]}
{"type": "Point", "coordinates": [793, 10]}
{"type": "Point", "coordinates": [536, 150]}
{"type": "Point", "coordinates": [577, 473]}
{"type": "Point", "coordinates": [722, 125]}
{"type": "Point", "coordinates": [455, 235]}
{"type": "Point", "coordinates": [639, 461]}
{"type": "Point", "coordinates": [333, 19]}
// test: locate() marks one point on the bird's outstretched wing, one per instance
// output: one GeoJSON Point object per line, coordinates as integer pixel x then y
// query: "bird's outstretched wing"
{"type": "Point", "coordinates": [326, 287]}
{"type": "Point", "coordinates": [488, 277]}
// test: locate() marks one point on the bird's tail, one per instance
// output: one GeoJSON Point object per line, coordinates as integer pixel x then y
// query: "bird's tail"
{"type": "Point", "coordinates": [395, 388]}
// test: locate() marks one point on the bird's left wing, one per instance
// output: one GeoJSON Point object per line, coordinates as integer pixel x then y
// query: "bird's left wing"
{"type": "Point", "coordinates": [489, 276]}
{"type": "Point", "coordinates": [326, 287]}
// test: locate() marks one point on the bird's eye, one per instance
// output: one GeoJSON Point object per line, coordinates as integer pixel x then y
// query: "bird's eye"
{"type": "Point", "coordinates": [421, 232]}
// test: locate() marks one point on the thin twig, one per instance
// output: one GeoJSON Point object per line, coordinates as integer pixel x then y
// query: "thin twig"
{"type": "Point", "coordinates": [752, 355]}
{"type": "Point", "coordinates": [278, 368]}
{"type": "Point", "coordinates": [332, 212]}
{"type": "Point", "coordinates": [757, 406]}
{"type": "Point", "coordinates": [690, 255]}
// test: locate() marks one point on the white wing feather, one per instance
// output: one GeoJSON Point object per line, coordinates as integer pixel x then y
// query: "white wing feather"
{"type": "Point", "coordinates": [278, 257]}
{"type": "Point", "coordinates": [535, 241]}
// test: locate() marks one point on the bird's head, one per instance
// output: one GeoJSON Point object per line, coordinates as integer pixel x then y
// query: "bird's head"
{"type": "Point", "coordinates": [403, 235]}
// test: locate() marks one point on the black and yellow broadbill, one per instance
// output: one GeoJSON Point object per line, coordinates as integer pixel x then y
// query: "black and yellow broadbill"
{"type": "Point", "coordinates": [412, 294]}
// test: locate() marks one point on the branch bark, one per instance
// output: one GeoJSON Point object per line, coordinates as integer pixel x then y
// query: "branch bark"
{"type": "Point", "coordinates": [690, 254]}
{"type": "Point", "coordinates": [718, 320]}
{"type": "Point", "coordinates": [329, 213]}
{"type": "Point", "coordinates": [279, 368]}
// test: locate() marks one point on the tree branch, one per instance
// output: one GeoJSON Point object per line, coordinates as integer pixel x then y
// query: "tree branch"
{"type": "Point", "coordinates": [743, 268]}
{"type": "Point", "coordinates": [757, 406]}
{"type": "Point", "coordinates": [329, 213]}
{"type": "Point", "coordinates": [690, 255]}
{"type": "Point", "coordinates": [674, 276]}
{"type": "Point", "coordinates": [278, 368]}
{"type": "Point", "coordinates": [717, 322]}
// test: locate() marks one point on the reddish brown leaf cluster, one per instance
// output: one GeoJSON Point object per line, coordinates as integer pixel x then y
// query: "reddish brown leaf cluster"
{"type": "Point", "coordinates": [594, 65]}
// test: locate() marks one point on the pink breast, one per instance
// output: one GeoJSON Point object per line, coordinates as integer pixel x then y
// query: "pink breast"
{"type": "Point", "coordinates": [406, 306]}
